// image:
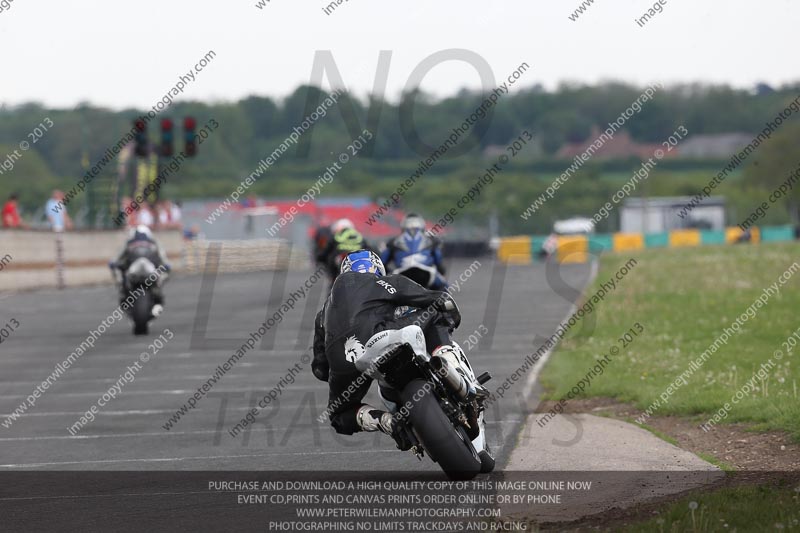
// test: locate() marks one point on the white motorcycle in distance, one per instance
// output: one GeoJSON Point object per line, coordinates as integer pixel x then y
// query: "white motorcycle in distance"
{"type": "Point", "coordinates": [442, 409]}
{"type": "Point", "coordinates": [570, 226]}
{"type": "Point", "coordinates": [138, 282]}
{"type": "Point", "coordinates": [418, 268]}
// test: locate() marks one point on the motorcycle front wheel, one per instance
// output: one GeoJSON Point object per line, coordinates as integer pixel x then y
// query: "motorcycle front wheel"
{"type": "Point", "coordinates": [446, 444]}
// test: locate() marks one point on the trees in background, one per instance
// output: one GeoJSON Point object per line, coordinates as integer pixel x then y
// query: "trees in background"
{"type": "Point", "coordinates": [251, 129]}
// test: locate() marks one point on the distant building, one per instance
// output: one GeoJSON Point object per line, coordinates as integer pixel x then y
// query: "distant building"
{"type": "Point", "coordinates": [656, 215]}
{"type": "Point", "coordinates": [254, 218]}
{"type": "Point", "coordinates": [532, 148]}
{"type": "Point", "coordinates": [494, 151]}
{"type": "Point", "coordinates": [720, 145]}
{"type": "Point", "coordinates": [620, 146]}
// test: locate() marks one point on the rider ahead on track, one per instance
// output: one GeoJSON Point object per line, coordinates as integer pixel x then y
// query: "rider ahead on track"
{"type": "Point", "coordinates": [413, 248]}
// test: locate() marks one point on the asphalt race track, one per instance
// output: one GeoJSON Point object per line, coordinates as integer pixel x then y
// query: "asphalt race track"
{"type": "Point", "coordinates": [514, 303]}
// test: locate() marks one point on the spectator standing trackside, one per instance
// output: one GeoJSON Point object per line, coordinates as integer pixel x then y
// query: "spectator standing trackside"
{"type": "Point", "coordinates": [164, 214]}
{"type": "Point", "coordinates": [10, 213]}
{"type": "Point", "coordinates": [59, 221]}
{"type": "Point", "coordinates": [169, 215]}
{"type": "Point", "coordinates": [146, 216]}
{"type": "Point", "coordinates": [176, 215]}
{"type": "Point", "coordinates": [56, 212]}
{"type": "Point", "coordinates": [126, 206]}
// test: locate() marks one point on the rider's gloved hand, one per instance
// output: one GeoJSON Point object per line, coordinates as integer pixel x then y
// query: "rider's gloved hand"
{"type": "Point", "coordinates": [167, 268]}
{"type": "Point", "coordinates": [112, 265]}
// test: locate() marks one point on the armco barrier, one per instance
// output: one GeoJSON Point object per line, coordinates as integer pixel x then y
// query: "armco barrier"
{"type": "Point", "coordinates": [627, 241]}
{"type": "Point", "coordinates": [578, 248]}
{"type": "Point", "coordinates": [656, 240]}
{"type": "Point", "coordinates": [733, 235]}
{"type": "Point", "coordinates": [515, 250]}
{"type": "Point", "coordinates": [599, 243]}
{"type": "Point", "coordinates": [713, 237]}
{"type": "Point", "coordinates": [572, 249]}
{"type": "Point", "coordinates": [777, 233]}
{"type": "Point", "coordinates": [85, 256]}
{"type": "Point", "coordinates": [251, 255]}
{"type": "Point", "coordinates": [33, 260]}
{"type": "Point", "coordinates": [684, 237]}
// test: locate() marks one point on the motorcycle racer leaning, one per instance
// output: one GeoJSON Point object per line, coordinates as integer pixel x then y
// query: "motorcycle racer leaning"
{"type": "Point", "coordinates": [141, 244]}
{"type": "Point", "coordinates": [365, 301]}
{"type": "Point", "coordinates": [344, 239]}
{"type": "Point", "coordinates": [416, 254]}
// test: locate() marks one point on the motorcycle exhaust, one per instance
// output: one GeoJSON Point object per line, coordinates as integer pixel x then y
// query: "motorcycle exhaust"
{"type": "Point", "coordinates": [451, 377]}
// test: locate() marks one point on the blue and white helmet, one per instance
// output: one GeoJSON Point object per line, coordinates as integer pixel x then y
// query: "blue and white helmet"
{"type": "Point", "coordinates": [363, 261]}
{"type": "Point", "coordinates": [413, 224]}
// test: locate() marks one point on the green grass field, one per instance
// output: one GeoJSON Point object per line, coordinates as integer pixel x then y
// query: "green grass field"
{"type": "Point", "coordinates": [740, 509]}
{"type": "Point", "coordinates": [685, 298]}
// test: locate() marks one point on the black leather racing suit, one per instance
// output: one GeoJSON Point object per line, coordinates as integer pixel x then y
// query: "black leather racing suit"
{"type": "Point", "coordinates": [134, 249]}
{"type": "Point", "coordinates": [359, 306]}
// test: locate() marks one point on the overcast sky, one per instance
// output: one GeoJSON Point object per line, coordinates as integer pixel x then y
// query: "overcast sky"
{"type": "Point", "coordinates": [119, 54]}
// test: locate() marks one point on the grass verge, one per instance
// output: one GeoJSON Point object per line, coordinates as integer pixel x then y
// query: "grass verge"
{"type": "Point", "coordinates": [745, 508]}
{"type": "Point", "coordinates": [684, 299]}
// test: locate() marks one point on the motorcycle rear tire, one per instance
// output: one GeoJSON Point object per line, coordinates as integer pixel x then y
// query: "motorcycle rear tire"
{"type": "Point", "coordinates": [445, 443]}
{"type": "Point", "coordinates": [141, 313]}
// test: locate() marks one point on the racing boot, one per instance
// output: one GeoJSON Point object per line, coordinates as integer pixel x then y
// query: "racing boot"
{"type": "Point", "coordinates": [369, 418]}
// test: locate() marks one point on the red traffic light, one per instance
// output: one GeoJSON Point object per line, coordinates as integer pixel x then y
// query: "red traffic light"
{"type": "Point", "coordinates": [166, 124]}
{"type": "Point", "coordinates": [141, 147]}
{"type": "Point", "coordinates": [190, 137]}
